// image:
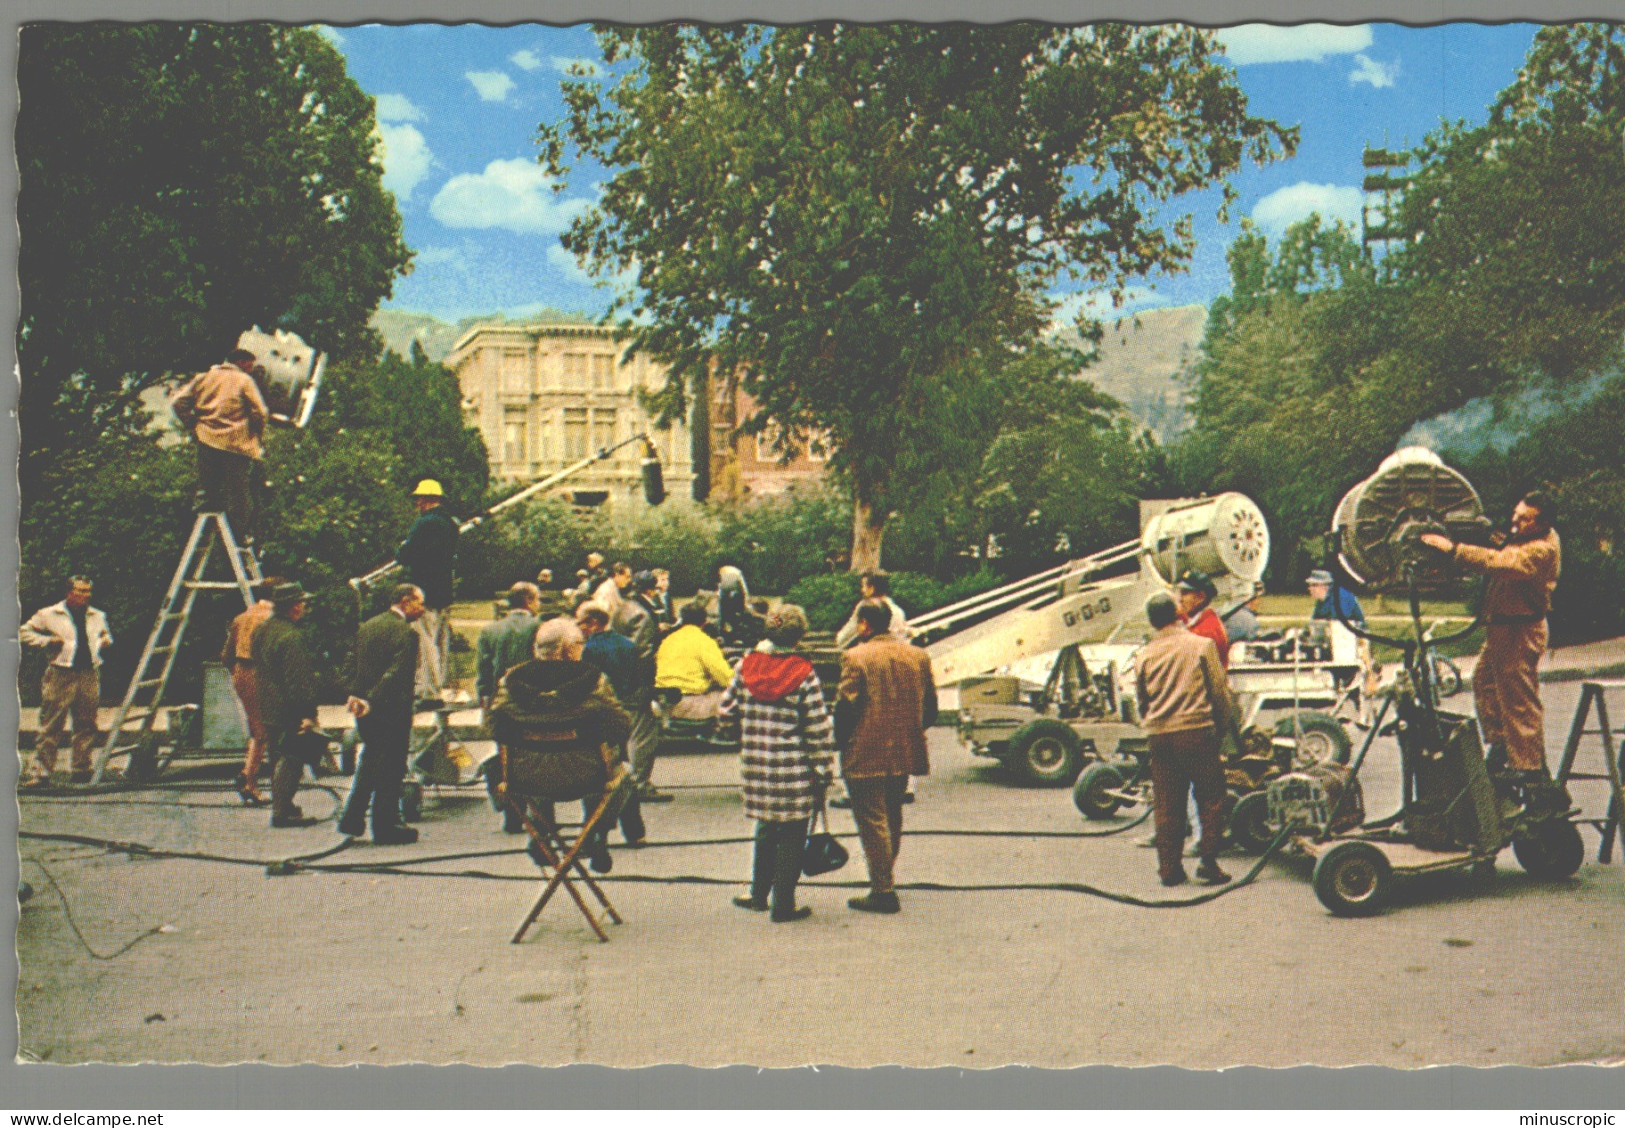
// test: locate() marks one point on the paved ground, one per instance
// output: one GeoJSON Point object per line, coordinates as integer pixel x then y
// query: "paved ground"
{"type": "Point", "coordinates": [336, 968]}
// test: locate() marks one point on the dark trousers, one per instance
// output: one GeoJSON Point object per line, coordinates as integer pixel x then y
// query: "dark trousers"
{"type": "Point", "coordinates": [877, 807]}
{"type": "Point", "coordinates": [777, 864]}
{"type": "Point", "coordinates": [226, 481]}
{"type": "Point", "coordinates": [1183, 762]}
{"type": "Point", "coordinates": [286, 772]}
{"type": "Point", "coordinates": [378, 772]}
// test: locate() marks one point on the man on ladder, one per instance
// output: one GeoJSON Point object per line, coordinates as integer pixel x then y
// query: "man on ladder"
{"type": "Point", "coordinates": [225, 412]}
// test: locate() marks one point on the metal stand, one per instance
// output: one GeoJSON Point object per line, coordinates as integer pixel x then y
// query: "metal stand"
{"type": "Point", "coordinates": [146, 693]}
{"type": "Point", "coordinates": [1593, 696]}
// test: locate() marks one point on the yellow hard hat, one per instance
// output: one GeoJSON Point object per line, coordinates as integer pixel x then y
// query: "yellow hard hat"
{"type": "Point", "coordinates": [428, 488]}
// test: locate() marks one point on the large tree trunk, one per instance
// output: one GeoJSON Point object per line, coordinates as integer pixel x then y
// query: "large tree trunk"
{"type": "Point", "coordinates": [868, 527]}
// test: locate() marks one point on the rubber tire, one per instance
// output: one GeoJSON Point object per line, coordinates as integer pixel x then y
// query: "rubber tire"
{"type": "Point", "coordinates": [1249, 824]}
{"type": "Point", "coordinates": [1322, 733]}
{"type": "Point", "coordinates": [1354, 879]}
{"type": "Point", "coordinates": [1059, 750]}
{"type": "Point", "coordinates": [1087, 794]}
{"type": "Point", "coordinates": [1554, 851]}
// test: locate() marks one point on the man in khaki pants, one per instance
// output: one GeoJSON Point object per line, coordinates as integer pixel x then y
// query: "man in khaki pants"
{"type": "Point", "coordinates": [1522, 575]}
{"type": "Point", "coordinates": [73, 634]}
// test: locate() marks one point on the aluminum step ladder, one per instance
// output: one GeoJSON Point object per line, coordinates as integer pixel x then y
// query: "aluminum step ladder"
{"type": "Point", "coordinates": [1593, 698]}
{"type": "Point", "coordinates": [145, 695]}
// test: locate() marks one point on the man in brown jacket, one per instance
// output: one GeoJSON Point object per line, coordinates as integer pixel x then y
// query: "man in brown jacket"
{"type": "Point", "coordinates": [1522, 574]}
{"type": "Point", "coordinates": [1185, 703]}
{"type": "Point", "coordinates": [225, 412]}
{"type": "Point", "coordinates": [238, 657]}
{"type": "Point", "coordinates": [887, 700]}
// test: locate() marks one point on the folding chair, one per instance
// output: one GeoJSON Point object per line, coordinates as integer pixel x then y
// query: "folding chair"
{"type": "Point", "coordinates": [560, 860]}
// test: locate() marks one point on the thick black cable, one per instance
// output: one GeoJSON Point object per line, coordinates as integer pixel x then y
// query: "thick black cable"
{"type": "Point", "coordinates": [399, 868]}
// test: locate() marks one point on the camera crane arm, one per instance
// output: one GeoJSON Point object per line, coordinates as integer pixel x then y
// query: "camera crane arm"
{"type": "Point", "coordinates": [654, 490]}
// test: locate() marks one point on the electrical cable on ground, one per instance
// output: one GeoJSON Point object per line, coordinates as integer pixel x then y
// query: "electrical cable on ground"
{"type": "Point", "coordinates": [313, 863]}
{"type": "Point", "coordinates": [74, 924]}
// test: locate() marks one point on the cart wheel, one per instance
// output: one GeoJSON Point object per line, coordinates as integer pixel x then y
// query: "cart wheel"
{"type": "Point", "coordinates": [1550, 851]}
{"type": "Point", "coordinates": [1089, 794]}
{"type": "Point", "coordinates": [1321, 737]}
{"type": "Point", "coordinates": [1046, 752]}
{"type": "Point", "coordinates": [1353, 879]}
{"type": "Point", "coordinates": [411, 800]}
{"type": "Point", "coordinates": [1250, 824]}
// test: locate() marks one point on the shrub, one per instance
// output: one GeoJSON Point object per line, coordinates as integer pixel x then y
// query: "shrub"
{"type": "Point", "coordinates": [780, 540]}
{"type": "Point", "coordinates": [828, 599]}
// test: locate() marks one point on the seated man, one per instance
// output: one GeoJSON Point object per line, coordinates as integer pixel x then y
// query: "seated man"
{"type": "Point", "coordinates": [691, 662]}
{"type": "Point", "coordinates": [560, 729]}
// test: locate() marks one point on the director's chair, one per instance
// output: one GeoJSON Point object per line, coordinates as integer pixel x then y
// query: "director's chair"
{"type": "Point", "coordinates": [560, 860]}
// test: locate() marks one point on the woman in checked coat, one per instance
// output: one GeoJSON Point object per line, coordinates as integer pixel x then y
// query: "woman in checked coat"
{"type": "Point", "coordinates": [775, 708]}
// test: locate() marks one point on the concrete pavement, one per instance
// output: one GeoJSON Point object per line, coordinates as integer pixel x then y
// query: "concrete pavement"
{"type": "Point", "coordinates": [381, 967]}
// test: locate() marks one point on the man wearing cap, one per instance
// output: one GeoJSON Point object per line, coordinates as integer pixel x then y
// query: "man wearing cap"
{"type": "Point", "coordinates": [636, 620]}
{"type": "Point", "coordinates": [381, 698]}
{"type": "Point", "coordinates": [428, 555]}
{"type": "Point", "coordinates": [73, 635]}
{"type": "Point", "coordinates": [1320, 590]}
{"type": "Point", "coordinates": [1185, 703]}
{"type": "Point", "coordinates": [1241, 624]}
{"type": "Point", "coordinates": [225, 413]}
{"type": "Point", "coordinates": [1194, 594]}
{"type": "Point", "coordinates": [1522, 573]}
{"type": "Point", "coordinates": [286, 683]}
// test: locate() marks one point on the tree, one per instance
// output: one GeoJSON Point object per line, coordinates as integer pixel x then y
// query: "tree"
{"type": "Point", "coordinates": [846, 214]}
{"type": "Point", "coordinates": [180, 183]}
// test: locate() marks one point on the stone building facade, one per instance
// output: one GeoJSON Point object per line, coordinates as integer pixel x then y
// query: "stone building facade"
{"type": "Point", "coordinates": [545, 396]}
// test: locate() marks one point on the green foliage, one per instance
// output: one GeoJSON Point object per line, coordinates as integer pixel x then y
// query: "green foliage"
{"type": "Point", "coordinates": [828, 599]}
{"type": "Point", "coordinates": [1511, 282]}
{"type": "Point", "coordinates": [848, 214]}
{"type": "Point", "coordinates": [178, 184]}
{"type": "Point", "coordinates": [777, 541]}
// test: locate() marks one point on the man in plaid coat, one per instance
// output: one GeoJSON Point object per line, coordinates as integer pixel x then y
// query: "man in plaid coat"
{"type": "Point", "coordinates": [775, 708]}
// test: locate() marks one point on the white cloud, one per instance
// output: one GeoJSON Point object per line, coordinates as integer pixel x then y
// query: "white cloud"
{"type": "Point", "coordinates": [330, 33]}
{"type": "Point", "coordinates": [622, 281]}
{"type": "Point", "coordinates": [575, 67]}
{"type": "Point", "coordinates": [1285, 206]}
{"type": "Point", "coordinates": [515, 195]}
{"type": "Point", "coordinates": [1377, 74]}
{"type": "Point", "coordinates": [492, 86]}
{"type": "Point", "coordinates": [407, 158]}
{"type": "Point", "coordinates": [525, 59]}
{"type": "Point", "coordinates": [397, 107]}
{"type": "Point", "coordinates": [436, 256]}
{"type": "Point", "coordinates": [1266, 43]}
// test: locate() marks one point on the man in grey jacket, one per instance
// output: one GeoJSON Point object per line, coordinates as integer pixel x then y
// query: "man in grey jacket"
{"type": "Point", "coordinates": [636, 620]}
{"type": "Point", "coordinates": [72, 634]}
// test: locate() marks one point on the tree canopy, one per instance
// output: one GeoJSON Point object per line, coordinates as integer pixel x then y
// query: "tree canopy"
{"type": "Point", "coordinates": [178, 184]}
{"type": "Point", "coordinates": [851, 215]}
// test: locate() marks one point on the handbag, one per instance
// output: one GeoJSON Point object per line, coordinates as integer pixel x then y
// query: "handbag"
{"type": "Point", "coordinates": [823, 853]}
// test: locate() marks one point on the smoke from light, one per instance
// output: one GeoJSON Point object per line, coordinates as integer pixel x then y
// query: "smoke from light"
{"type": "Point", "coordinates": [1497, 422]}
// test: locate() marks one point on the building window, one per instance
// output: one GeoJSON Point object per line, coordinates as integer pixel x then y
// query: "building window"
{"type": "Point", "coordinates": [575, 371]}
{"type": "Point", "coordinates": [603, 427]}
{"type": "Point", "coordinates": [768, 444]}
{"type": "Point", "coordinates": [515, 368]}
{"type": "Point", "coordinates": [513, 438]}
{"type": "Point", "coordinates": [603, 373]}
{"type": "Point", "coordinates": [575, 434]}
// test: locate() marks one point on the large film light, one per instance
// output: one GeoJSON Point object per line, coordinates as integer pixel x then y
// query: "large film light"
{"type": "Point", "coordinates": [1379, 523]}
{"type": "Point", "coordinates": [293, 373]}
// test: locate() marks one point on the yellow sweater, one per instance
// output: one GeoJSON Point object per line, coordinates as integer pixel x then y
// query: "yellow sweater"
{"type": "Point", "coordinates": [690, 660]}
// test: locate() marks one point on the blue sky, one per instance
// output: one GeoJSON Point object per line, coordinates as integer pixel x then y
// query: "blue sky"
{"type": "Point", "coordinates": [459, 106]}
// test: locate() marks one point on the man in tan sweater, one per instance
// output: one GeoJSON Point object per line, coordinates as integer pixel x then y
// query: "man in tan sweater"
{"type": "Point", "coordinates": [1522, 574]}
{"type": "Point", "coordinates": [1185, 702]}
{"type": "Point", "coordinates": [226, 414]}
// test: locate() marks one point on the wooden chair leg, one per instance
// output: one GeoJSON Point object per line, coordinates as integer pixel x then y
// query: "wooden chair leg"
{"type": "Point", "coordinates": [560, 876]}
